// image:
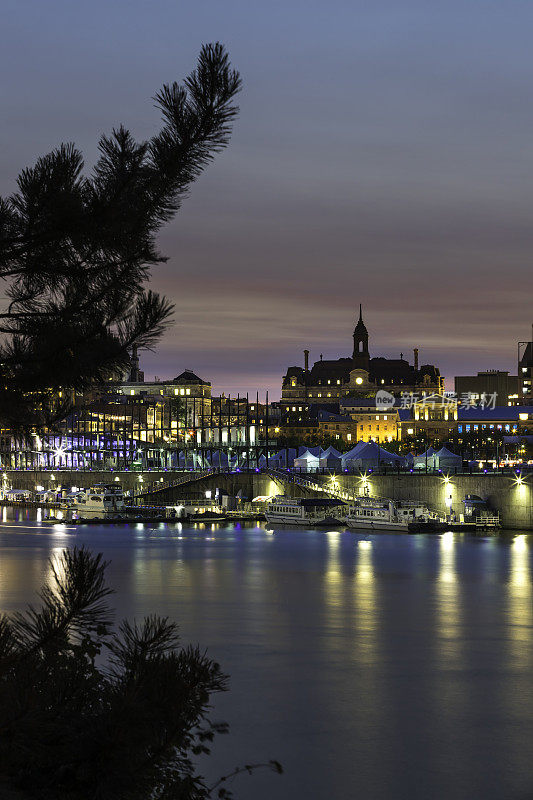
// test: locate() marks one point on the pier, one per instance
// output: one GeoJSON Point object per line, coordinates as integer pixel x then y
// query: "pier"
{"type": "Point", "coordinates": [510, 497]}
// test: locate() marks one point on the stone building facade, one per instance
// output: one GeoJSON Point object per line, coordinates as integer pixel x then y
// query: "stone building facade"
{"type": "Point", "coordinates": [329, 380]}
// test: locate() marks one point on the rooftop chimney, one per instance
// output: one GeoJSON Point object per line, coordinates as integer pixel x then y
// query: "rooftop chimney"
{"type": "Point", "coordinates": [306, 360]}
{"type": "Point", "coordinates": [415, 351]}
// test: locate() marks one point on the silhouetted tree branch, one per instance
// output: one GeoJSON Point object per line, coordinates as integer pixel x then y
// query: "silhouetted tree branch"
{"type": "Point", "coordinates": [76, 251]}
{"type": "Point", "coordinates": [87, 712]}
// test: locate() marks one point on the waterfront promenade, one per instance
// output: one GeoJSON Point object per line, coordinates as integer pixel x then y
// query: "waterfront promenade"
{"type": "Point", "coordinates": [506, 494]}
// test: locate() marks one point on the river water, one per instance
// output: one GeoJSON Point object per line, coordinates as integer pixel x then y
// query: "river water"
{"type": "Point", "coordinates": [379, 667]}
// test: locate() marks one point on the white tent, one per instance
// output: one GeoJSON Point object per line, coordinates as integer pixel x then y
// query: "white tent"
{"type": "Point", "coordinates": [307, 461]}
{"type": "Point", "coordinates": [351, 455]}
{"type": "Point", "coordinates": [330, 459]}
{"type": "Point", "coordinates": [425, 458]}
{"type": "Point", "coordinates": [331, 451]}
{"type": "Point", "coordinates": [372, 456]}
{"type": "Point", "coordinates": [284, 458]}
{"type": "Point", "coordinates": [445, 459]}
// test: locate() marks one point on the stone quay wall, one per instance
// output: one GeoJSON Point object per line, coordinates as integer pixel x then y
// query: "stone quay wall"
{"type": "Point", "coordinates": [513, 501]}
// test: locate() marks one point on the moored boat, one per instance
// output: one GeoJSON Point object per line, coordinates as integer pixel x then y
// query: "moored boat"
{"type": "Point", "coordinates": [105, 500]}
{"type": "Point", "coordinates": [310, 511]}
{"type": "Point", "coordinates": [375, 515]}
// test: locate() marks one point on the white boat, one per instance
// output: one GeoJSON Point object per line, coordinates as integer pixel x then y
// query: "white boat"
{"type": "Point", "coordinates": [416, 512]}
{"type": "Point", "coordinates": [375, 515]}
{"type": "Point", "coordinates": [305, 511]}
{"type": "Point", "coordinates": [104, 500]}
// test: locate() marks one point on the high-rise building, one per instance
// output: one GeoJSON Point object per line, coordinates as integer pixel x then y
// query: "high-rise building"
{"type": "Point", "coordinates": [525, 369]}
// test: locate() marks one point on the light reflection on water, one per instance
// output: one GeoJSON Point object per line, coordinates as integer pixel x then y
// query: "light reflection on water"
{"type": "Point", "coordinates": [382, 666]}
{"type": "Point", "coordinates": [520, 600]}
{"type": "Point", "coordinates": [366, 611]}
{"type": "Point", "coordinates": [448, 602]}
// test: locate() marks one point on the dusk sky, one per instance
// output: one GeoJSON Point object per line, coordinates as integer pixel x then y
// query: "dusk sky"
{"type": "Point", "coordinates": [383, 155]}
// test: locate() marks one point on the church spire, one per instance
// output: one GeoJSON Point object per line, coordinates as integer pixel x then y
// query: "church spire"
{"type": "Point", "coordinates": [360, 343]}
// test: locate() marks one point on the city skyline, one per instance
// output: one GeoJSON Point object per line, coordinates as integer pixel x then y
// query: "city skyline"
{"type": "Point", "coordinates": [225, 384]}
{"type": "Point", "coordinates": [367, 165]}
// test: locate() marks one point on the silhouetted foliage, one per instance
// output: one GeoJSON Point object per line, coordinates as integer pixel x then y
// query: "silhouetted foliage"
{"type": "Point", "coordinates": [76, 251]}
{"type": "Point", "coordinates": [87, 712]}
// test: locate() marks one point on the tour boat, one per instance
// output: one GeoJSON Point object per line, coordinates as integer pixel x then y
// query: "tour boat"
{"type": "Point", "coordinates": [375, 515]}
{"type": "Point", "coordinates": [416, 512]}
{"type": "Point", "coordinates": [107, 500]}
{"type": "Point", "coordinates": [305, 511]}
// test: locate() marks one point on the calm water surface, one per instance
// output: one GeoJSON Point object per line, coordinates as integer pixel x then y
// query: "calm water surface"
{"type": "Point", "coordinates": [391, 666]}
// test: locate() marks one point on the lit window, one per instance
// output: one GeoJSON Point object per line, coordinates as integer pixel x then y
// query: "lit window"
{"type": "Point", "coordinates": [132, 391]}
{"type": "Point", "coordinates": [187, 391]}
{"type": "Point", "coordinates": [176, 391]}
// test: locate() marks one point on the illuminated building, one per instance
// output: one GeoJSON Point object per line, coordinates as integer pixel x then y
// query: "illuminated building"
{"type": "Point", "coordinates": [329, 380]}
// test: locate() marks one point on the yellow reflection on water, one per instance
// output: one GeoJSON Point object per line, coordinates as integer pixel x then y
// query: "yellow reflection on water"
{"type": "Point", "coordinates": [365, 596]}
{"type": "Point", "coordinates": [448, 611]}
{"type": "Point", "coordinates": [333, 579]}
{"type": "Point", "coordinates": [519, 602]}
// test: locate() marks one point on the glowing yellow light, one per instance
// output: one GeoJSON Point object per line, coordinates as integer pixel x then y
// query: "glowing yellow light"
{"type": "Point", "coordinates": [447, 540]}
{"type": "Point", "coordinates": [520, 543]}
{"type": "Point", "coordinates": [359, 381]}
